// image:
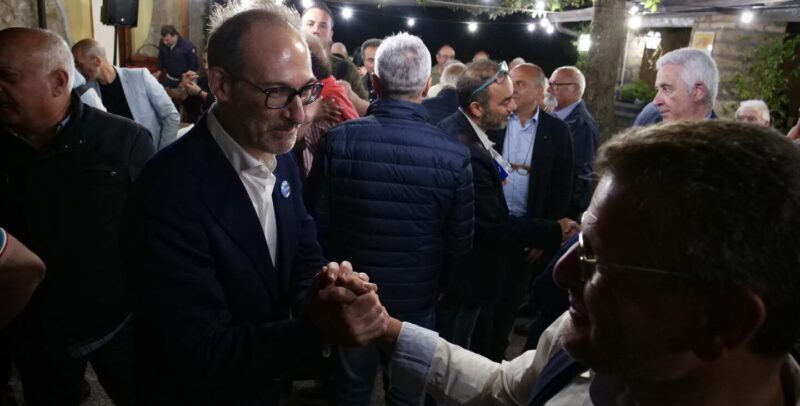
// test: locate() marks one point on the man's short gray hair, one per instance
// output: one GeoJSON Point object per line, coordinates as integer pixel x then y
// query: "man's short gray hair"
{"type": "Point", "coordinates": [228, 24]}
{"type": "Point", "coordinates": [403, 65]}
{"type": "Point", "coordinates": [758, 105]}
{"type": "Point", "coordinates": [697, 66]}
{"type": "Point", "coordinates": [55, 54]}
{"type": "Point", "coordinates": [579, 78]}
{"type": "Point", "coordinates": [452, 71]}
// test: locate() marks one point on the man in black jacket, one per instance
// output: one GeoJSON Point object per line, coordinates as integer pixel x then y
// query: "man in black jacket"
{"type": "Point", "coordinates": [445, 102]}
{"type": "Point", "coordinates": [567, 84]}
{"type": "Point", "coordinates": [486, 97]}
{"type": "Point", "coordinates": [220, 248]}
{"type": "Point", "coordinates": [394, 195]}
{"type": "Point", "coordinates": [65, 172]}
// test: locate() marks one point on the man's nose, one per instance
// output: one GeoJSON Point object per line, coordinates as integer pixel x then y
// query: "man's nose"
{"type": "Point", "coordinates": [566, 273]}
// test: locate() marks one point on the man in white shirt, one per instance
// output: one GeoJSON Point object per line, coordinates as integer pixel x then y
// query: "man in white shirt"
{"type": "Point", "coordinates": [220, 248]}
{"type": "Point", "coordinates": [683, 286]}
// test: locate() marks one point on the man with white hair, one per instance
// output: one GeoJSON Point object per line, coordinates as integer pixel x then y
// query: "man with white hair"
{"type": "Point", "coordinates": [686, 87]}
{"type": "Point", "coordinates": [567, 85]}
{"type": "Point", "coordinates": [753, 111]}
{"type": "Point", "coordinates": [445, 102]}
{"type": "Point", "coordinates": [66, 171]}
{"type": "Point", "coordinates": [394, 195]}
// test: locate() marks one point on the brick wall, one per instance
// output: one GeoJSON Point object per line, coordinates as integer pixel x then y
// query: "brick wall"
{"type": "Point", "coordinates": [733, 42]}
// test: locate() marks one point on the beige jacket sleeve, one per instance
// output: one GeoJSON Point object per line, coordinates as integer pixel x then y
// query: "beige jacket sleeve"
{"type": "Point", "coordinates": [460, 377]}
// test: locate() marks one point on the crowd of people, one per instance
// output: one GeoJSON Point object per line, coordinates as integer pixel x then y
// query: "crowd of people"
{"type": "Point", "coordinates": [327, 221]}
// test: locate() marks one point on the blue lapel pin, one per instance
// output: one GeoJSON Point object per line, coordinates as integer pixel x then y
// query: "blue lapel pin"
{"type": "Point", "coordinates": [286, 190]}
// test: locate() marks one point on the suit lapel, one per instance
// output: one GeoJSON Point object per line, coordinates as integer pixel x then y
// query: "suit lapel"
{"type": "Point", "coordinates": [227, 200]}
{"type": "Point", "coordinates": [542, 150]}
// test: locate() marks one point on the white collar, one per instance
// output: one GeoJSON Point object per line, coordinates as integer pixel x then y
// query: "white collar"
{"type": "Point", "coordinates": [488, 144]}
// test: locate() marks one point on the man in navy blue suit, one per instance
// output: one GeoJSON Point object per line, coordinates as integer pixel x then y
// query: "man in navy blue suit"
{"type": "Point", "coordinates": [219, 246]}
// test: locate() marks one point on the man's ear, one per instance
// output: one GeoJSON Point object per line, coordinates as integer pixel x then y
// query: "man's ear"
{"type": "Point", "coordinates": [218, 84]}
{"type": "Point", "coordinates": [60, 82]}
{"type": "Point", "coordinates": [427, 87]}
{"type": "Point", "coordinates": [699, 92]}
{"type": "Point", "coordinates": [475, 109]}
{"type": "Point", "coordinates": [732, 321]}
{"type": "Point", "coordinates": [377, 85]}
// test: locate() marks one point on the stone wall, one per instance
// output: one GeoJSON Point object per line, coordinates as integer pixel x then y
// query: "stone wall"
{"type": "Point", "coordinates": [733, 42]}
{"type": "Point", "coordinates": [22, 13]}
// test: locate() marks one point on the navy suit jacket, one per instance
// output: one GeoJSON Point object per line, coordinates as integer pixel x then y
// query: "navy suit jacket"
{"type": "Point", "coordinates": [585, 140]}
{"type": "Point", "coordinates": [211, 312]}
{"type": "Point", "coordinates": [550, 185]}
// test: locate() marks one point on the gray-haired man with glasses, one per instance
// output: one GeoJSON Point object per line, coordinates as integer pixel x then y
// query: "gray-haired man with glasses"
{"type": "Point", "coordinates": [468, 317]}
{"type": "Point", "coordinates": [219, 245]}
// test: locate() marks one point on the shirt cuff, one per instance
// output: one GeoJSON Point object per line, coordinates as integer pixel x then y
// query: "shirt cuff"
{"type": "Point", "coordinates": [3, 241]}
{"type": "Point", "coordinates": [411, 361]}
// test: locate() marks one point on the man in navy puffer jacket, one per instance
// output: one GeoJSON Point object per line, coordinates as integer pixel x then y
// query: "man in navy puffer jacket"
{"type": "Point", "coordinates": [394, 195]}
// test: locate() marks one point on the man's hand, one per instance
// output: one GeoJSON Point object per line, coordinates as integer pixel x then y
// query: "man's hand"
{"type": "Point", "coordinates": [533, 255]}
{"type": "Point", "coordinates": [327, 110]}
{"type": "Point", "coordinates": [345, 307]}
{"type": "Point", "coordinates": [568, 228]}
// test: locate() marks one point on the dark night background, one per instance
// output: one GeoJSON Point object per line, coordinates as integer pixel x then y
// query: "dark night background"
{"type": "Point", "coordinates": [504, 38]}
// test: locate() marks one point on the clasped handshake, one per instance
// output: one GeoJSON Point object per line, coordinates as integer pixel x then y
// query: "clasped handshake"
{"type": "Point", "coordinates": [345, 306]}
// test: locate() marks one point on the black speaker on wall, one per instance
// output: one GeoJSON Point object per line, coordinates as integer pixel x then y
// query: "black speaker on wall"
{"type": "Point", "coordinates": [121, 13]}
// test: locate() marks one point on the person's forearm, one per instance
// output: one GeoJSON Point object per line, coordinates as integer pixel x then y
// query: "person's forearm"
{"type": "Point", "coordinates": [360, 104]}
{"type": "Point", "coordinates": [388, 340]}
{"type": "Point", "coordinates": [20, 273]}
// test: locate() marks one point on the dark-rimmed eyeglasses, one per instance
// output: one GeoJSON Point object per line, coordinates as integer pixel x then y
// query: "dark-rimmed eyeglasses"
{"type": "Point", "coordinates": [499, 77]}
{"type": "Point", "coordinates": [280, 97]}
{"type": "Point", "coordinates": [589, 263]}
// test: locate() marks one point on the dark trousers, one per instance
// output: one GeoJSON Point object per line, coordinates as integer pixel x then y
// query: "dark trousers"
{"type": "Point", "coordinates": [466, 325]}
{"type": "Point", "coordinates": [513, 289]}
{"type": "Point", "coordinates": [54, 378]}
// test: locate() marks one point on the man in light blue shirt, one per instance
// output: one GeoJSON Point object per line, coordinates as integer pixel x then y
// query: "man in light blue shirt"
{"type": "Point", "coordinates": [539, 149]}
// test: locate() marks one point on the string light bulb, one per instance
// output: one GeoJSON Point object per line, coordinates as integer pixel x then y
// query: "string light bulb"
{"type": "Point", "coordinates": [531, 27]}
{"type": "Point", "coordinates": [307, 3]}
{"type": "Point", "coordinates": [347, 12]}
{"type": "Point", "coordinates": [410, 22]}
{"type": "Point", "coordinates": [747, 17]}
{"type": "Point", "coordinates": [584, 43]}
{"type": "Point", "coordinates": [635, 22]}
{"type": "Point", "coordinates": [549, 30]}
{"type": "Point", "coordinates": [472, 26]}
{"type": "Point", "coordinates": [545, 23]}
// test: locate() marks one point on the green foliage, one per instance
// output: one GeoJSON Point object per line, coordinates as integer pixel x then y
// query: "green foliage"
{"type": "Point", "coordinates": [505, 7]}
{"type": "Point", "coordinates": [651, 5]}
{"type": "Point", "coordinates": [766, 75]}
{"type": "Point", "coordinates": [637, 90]}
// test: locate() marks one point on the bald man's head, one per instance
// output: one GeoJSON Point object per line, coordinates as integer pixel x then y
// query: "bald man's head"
{"type": "Point", "coordinates": [41, 64]}
{"type": "Point", "coordinates": [89, 57]}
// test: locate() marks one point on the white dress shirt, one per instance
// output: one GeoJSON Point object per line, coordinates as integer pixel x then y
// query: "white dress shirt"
{"type": "Point", "coordinates": [257, 178]}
